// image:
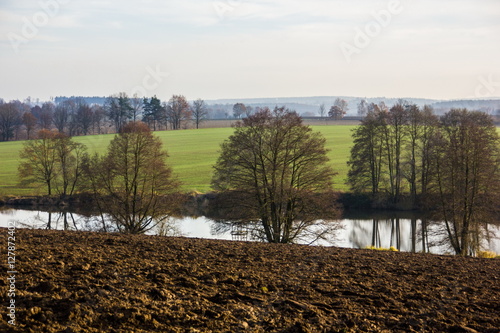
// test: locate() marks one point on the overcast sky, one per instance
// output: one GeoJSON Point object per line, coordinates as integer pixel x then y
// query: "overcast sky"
{"type": "Point", "coordinates": [250, 48]}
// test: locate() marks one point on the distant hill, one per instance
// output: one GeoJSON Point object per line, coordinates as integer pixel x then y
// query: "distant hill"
{"type": "Point", "coordinates": [310, 105]}
{"type": "Point", "coordinates": [491, 106]}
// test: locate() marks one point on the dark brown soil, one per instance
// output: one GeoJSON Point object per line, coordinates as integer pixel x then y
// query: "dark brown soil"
{"type": "Point", "coordinates": [97, 282]}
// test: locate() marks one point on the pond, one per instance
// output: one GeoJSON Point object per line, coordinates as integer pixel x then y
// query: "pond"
{"type": "Point", "coordinates": [405, 232]}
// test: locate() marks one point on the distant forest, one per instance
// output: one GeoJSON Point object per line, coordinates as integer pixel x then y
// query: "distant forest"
{"type": "Point", "coordinates": [83, 115]}
{"type": "Point", "coordinates": [310, 106]}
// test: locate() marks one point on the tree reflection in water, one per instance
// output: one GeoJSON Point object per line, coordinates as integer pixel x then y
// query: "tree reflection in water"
{"type": "Point", "coordinates": [405, 232]}
{"type": "Point", "coordinates": [322, 232]}
{"type": "Point", "coordinates": [416, 235]}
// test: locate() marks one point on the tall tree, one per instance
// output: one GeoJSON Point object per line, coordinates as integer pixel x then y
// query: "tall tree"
{"type": "Point", "coordinates": [338, 109]}
{"type": "Point", "coordinates": [137, 107]}
{"type": "Point", "coordinates": [39, 160]}
{"type": "Point", "coordinates": [10, 119]}
{"type": "Point", "coordinates": [69, 157]}
{"type": "Point", "coordinates": [61, 115]}
{"type": "Point", "coordinates": [395, 139]}
{"type": "Point", "coordinates": [367, 161]}
{"type": "Point", "coordinates": [46, 115]}
{"type": "Point", "coordinates": [414, 129]}
{"type": "Point", "coordinates": [98, 118]}
{"type": "Point", "coordinates": [154, 112]}
{"type": "Point", "coordinates": [84, 118]}
{"type": "Point", "coordinates": [178, 111]}
{"type": "Point", "coordinates": [200, 112]}
{"type": "Point", "coordinates": [29, 122]}
{"type": "Point", "coordinates": [119, 110]}
{"type": "Point", "coordinates": [53, 160]}
{"type": "Point", "coordinates": [468, 175]}
{"type": "Point", "coordinates": [362, 107]}
{"type": "Point", "coordinates": [427, 148]}
{"type": "Point", "coordinates": [277, 166]}
{"type": "Point", "coordinates": [239, 110]}
{"type": "Point", "coordinates": [133, 179]}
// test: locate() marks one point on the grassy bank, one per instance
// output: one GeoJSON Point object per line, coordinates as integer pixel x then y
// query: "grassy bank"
{"type": "Point", "coordinates": [192, 155]}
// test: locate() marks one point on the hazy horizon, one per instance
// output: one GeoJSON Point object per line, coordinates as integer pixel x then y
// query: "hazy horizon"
{"type": "Point", "coordinates": [233, 49]}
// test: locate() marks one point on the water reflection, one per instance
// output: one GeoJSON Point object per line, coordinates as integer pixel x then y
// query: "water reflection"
{"type": "Point", "coordinates": [406, 233]}
{"type": "Point", "coordinates": [410, 235]}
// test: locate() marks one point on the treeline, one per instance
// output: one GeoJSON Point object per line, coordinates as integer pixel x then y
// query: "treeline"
{"type": "Point", "coordinates": [277, 169]}
{"type": "Point", "coordinates": [449, 165]}
{"type": "Point", "coordinates": [74, 116]}
{"type": "Point", "coordinates": [81, 116]}
{"type": "Point", "coordinates": [131, 182]}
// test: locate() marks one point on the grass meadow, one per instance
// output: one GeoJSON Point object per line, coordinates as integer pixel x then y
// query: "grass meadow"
{"type": "Point", "coordinates": [192, 153]}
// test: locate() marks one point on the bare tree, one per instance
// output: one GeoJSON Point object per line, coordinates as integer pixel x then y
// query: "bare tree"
{"type": "Point", "coordinates": [46, 115]}
{"type": "Point", "coordinates": [61, 115]}
{"type": "Point", "coordinates": [29, 121]}
{"type": "Point", "coordinates": [427, 148]}
{"type": "Point", "coordinates": [239, 110]}
{"type": "Point", "coordinates": [39, 160]}
{"type": "Point", "coordinates": [367, 161]}
{"type": "Point", "coordinates": [200, 112]}
{"type": "Point", "coordinates": [133, 180]}
{"type": "Point", "coordinates": [10, 119]}
{"type": "Point", "coordinates": [84, 118]}
{"type": "Point", "coordinates": [137, 107]}
{"type": "Point", "coordinates": [54, 160]}
{"type": "Point", "coordinates": [395, 140]}
{"type": "Point", "coordinates": [322, 110]}
{"type": "Point", "coordinates": [468, 176]}
{"type": "Point", "coordinates": [338, 109]}
{"type": "Point", "coordinates": [277, 167]}
{"type": "Point", "coordinates": [249, 110]}
{"type": "Point", "coordinates": [69, 156]}
{"type": "Point", "coordinates": [178, 111]}
{"type": "Point", "coordinates": [98, 118]}
{"type": "Point", "coordinates": [362, 108]}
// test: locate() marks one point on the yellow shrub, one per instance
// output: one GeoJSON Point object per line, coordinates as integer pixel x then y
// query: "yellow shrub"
{"type": "Point", "coordinates": [486, 254]}
{"type": "Point", "coordinates": [392, 248]}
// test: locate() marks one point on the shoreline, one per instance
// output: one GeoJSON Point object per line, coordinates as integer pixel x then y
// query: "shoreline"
{"type": "Point", "coordinates": [200, 201]}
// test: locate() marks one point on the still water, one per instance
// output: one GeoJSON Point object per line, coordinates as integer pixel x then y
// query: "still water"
{"type": "Point", "coordinates": [409, 234]}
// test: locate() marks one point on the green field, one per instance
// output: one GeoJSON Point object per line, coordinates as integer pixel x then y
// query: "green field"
{"type": "Point", "coordinates": [192, 155]}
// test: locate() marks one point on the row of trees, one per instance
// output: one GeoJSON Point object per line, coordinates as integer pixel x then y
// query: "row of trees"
{"type": "Point", "coordinates": [277, 170]}
{"type": "Point", "coordinates": [273, 166]}
{"type": "Point", "coordinates": [337, 111]}
{"type": "Point", "coordinates": [448, 164]}
{"type": "Point", "coordinates": [131, 182]}
{"type": "Point", "coordinates": [75, 117]}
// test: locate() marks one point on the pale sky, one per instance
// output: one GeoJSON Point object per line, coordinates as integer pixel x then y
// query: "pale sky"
{"type": "Point", "coordinates": [446, 49]}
